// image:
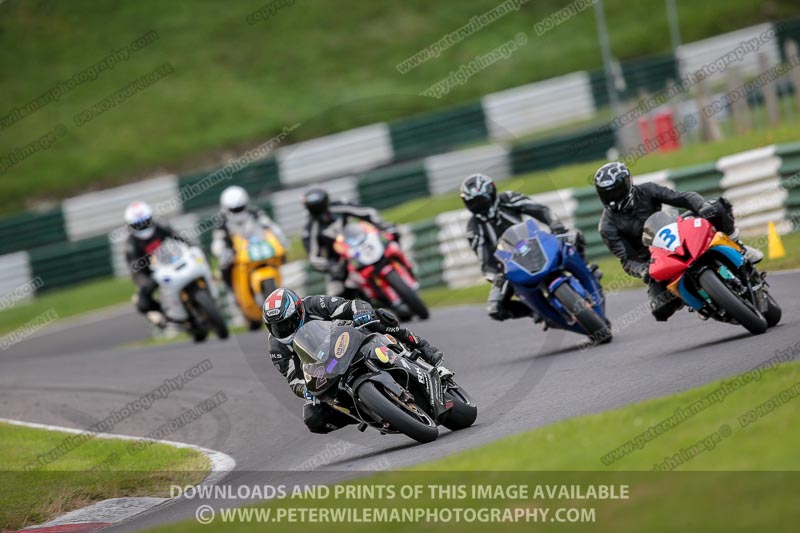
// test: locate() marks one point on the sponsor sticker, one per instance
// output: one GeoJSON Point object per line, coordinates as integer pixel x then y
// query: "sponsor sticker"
{"type": "Point", "coordinates": [341, 345]}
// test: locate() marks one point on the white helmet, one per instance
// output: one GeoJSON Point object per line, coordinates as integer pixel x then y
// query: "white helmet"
{"type": "Point", "coordinates": [234, 199]}
{"type": "Point", "coordinates": [139, 218]}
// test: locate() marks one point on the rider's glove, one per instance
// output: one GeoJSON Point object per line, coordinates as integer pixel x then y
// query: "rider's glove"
{"type": "Point", "coordinates": [558, 228]}
{"type": "Point", "coordinates": [307, 395]}
{"type": "Point", "coordinates": [708, 210]}
{"type": "Point", "coordinates": [363, 314]}
{"type": "Point", "coordinates": [431, 354]}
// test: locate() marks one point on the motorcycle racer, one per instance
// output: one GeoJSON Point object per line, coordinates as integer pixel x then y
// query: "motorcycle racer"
{"type": "Point", "coordinates": [326, 219]}
{"type": "Point", "coordinates": [628, 206]}
{"type": "Point", "coordinates": [492, 214]}
{"type": "Point", "coordinates": [284, 312]}
{"type": "Point", "coordinates": [235, 212]}
{"type": "Point", "coordinates": [144, 239]}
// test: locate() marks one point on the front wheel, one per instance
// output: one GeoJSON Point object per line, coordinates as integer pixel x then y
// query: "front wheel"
{"type": "Point", "coordinates": [407, 295]}
{"type": "Point", "coordinates": [774, 313]}
{"type": "Point", "coordinates": [594, 325]}
{"type": "Point", "coordinates": [464, 411]}
{"type": "Point", "coordinates": [212, 313]}
{"type": "Point", "coordinates": [744, 314]}
{"type": "Point", "coordinates": [405, 418]}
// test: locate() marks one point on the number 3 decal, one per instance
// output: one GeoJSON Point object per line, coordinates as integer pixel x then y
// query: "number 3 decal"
{"type": "Point", "coordinates": [667, 236]}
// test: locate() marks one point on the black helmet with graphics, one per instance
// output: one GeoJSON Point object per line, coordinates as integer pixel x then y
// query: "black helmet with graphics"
{"type": "Point", "coordinates": [479, 194]}
{"type": "Point", "coordinates": [614, 186]}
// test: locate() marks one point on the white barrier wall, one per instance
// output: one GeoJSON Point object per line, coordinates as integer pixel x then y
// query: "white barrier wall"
{"type": "Point", "coordinates": [753, 185]}
{"type": "Point", "coordinates": [539, 106]}
{"type": "Point", "coordinates": [336, 155]}
{"type": "Point", "coordinates": [101, 212]}
{"type": "Point", "coordinates": [15, 283]}
{"type": "Point", "coordinates": [695, 56]}
{"type": "Point", "coordinates": [447, 171]}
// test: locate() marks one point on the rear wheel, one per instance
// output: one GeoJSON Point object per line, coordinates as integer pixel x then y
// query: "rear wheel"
{"type": "Point", "coordinates": [464, 411]}
{"type": "Point", "coordinates": [408, 295]}
{"type": "Point", "coordinates": [212, 313]}
{"type": "Point", "coordinates": [743, 312]}
{"type": "Point", "coordinates": [597, 328]}
{"type": "Point", "coordinates": [407, 419]}
{"type": "Point", "coordinates": [774, 313]}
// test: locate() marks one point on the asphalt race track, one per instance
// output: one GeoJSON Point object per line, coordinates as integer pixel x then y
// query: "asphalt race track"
{"type": "Point", "coordinates": [520, 377]}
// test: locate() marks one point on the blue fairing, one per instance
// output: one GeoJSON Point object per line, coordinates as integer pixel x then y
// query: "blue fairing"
{"type": "Point", "coordinates": [731, 254]}
{"type": "Point", "coordinates": [536, 263]}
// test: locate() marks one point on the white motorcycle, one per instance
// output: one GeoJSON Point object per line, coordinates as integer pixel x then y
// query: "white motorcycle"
{"type": "Point", "coordinates": [186, 289]}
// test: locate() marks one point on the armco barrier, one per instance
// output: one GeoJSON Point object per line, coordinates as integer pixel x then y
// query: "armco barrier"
{"type": "Point", "coordinates": [425, 253]}
{"type": "Point", "coordinates": [257, 178]}
{"type": "Point", "coordinates": [64, 264]}
{"type": "Point", "coordinates": [391, 186]}
{"type": "Point", "coordinates": [704, 179]}
{"type": "Point", "coordinates": [23, 232]}
{"type": "Point", "coordinates": [437, 132]}
{"type": "Point", "coordinates": [650, 74]}
{"type": "Point", "coordinates": [99, 213]}
{"type": "Point", "coordinates": [539, 106]}
{"type": "Point", "coordinates": [336, 155]}
{"type": "Point", "coordinates": [586, 145]}
{"type": "Point", "coordinates": [753, 185]}
{"type": "Point", "coordinates": [790, 179]}
{"type": "Point", "coordinates": [447, 171]}
{"type": "Point", "coordinates": [14, 283]}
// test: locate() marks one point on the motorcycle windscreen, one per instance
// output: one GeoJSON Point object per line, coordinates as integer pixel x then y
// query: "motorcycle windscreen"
{"type": "Point", "coordinates": [520, 244]}
{"type": "Point", "coordinates": [326, 350]}
{"type": "Point", "coordinates": [169, 252]}
{"type": "Point", "coordinates": [661, 231]}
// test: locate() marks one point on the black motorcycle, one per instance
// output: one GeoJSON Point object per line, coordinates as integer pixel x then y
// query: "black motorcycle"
{"type": "Point", "coordinates": [377, 381]}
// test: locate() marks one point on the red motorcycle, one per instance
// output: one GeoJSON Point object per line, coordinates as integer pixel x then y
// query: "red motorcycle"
{"type": "Point", "coordinates": [382, 272]}
{"type": "Point", "coordinates": [709, 272]}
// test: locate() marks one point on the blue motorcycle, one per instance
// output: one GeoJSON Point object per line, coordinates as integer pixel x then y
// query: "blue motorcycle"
{"type": "Point", "coordinates": [550, 277]}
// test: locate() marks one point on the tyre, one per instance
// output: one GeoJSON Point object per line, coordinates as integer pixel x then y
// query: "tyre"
{"type": "Point", "coordinates": [408, 295]}
{"type": "Point", "coordinates": [464, 411]}
{"type": "Point", "coordinates": [599, 330]}
{"type": "Point", "coordinates": [774, 313]}
{"type": "Point", "coordinates": [213, 315]}
{"type": "Point", "coordinates": [744, 313]}
{"type": "Point", "coordinates": [415, 424]}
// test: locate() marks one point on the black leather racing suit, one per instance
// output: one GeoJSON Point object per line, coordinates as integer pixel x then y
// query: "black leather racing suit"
{"type": "Point", "coordinates": [137, 257]}
{"type": "Point", "coordinates": [319, 417]}
{"type": "Point", "coordinates": [320, 234]}
{"type": "Point", "coordinates": [622, 234]}
{"type": "Point", "coordinates": [484, 232]}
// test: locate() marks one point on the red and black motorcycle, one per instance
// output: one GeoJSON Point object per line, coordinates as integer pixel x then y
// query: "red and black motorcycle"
{"type": "Point", "coordinates": [380, 268]}
{"type": "Point", "coordinates": [709, 272]}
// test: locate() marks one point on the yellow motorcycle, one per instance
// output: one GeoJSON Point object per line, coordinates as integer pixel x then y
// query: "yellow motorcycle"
{"type": "Point", "coordinates": [255, 273]}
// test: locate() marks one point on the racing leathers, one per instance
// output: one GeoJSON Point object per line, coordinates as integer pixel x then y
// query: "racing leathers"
{"type": "Point", "coordinates": [137, 256]}
{"type": "Point", "coordinates": [319, 417]}
{"type": "Point", "coordinates": [320, 233]}
{"type": "Point", "coordinates": [236, 224]}
{"type": "Point", "coordinates": [483, 233]}
{"type": "Point", "coordinates": [622, 234]}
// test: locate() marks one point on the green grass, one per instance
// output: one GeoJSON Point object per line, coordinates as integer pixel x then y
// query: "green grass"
{"type": "Point", "coordinates": [68, 302]}
{"type": "Point", "coordinates": [69, 483]}
{"type": "Point", "coordinates": [235, 85]}
{"type": "Point", "coordinates": [744, 482]}
{"type": "Point", "coordinates": [580, 175]}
